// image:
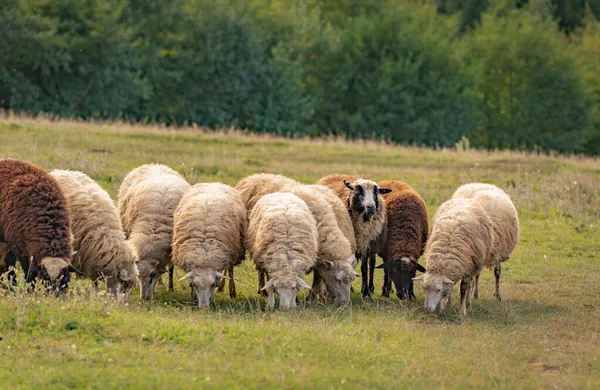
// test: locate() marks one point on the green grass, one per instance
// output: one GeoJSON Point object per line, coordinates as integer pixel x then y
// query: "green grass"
{"type": "Point", "coordinates": [544, 334]}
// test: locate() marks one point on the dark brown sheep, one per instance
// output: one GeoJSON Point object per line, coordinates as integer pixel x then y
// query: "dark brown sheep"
{"type": "Point", "coordinates": [403, 239]}
{"type": "Point", "coordinates": [34, 223]}
{"type": "Point", "coordinates": [366, 206]}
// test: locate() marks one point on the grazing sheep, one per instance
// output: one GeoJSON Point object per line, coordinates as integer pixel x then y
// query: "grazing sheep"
{"type": "Point", "coordinates": [461, 239]}
{"type": "Point", "coordinates": [208, 237]}
{"type": "Point", "coordinates": [102, 253]}
{"type": "Point", "coordinates": [367, 212]}
{"type": "Point", "coordinates": [505, 222]}
{"type": "Point", "coordinates": [34, 223]}
{"type": "Point", "coordinates": [403, 239]}
{"type": "Point", "coordinates": [282, 240]}
{"type": "Point", "coordinates": [148, 198]}
{"type": "Point", "coordinates": [335, 259]}
{"type": "Point", "coordinates": [252, 188]}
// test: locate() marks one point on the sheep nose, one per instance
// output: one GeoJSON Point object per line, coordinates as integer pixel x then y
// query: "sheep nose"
{"type": "Point", "coordinates": [371, 210]}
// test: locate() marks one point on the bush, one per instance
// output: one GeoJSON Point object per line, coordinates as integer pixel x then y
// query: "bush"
{"type": "Point", "coordinates": [532, 92]}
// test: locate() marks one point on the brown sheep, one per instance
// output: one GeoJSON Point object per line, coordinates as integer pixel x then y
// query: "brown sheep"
{"type": "Point", "coordinates": [34, 223]}
{"type": "Point", "coordinates": [403, 239]}
{"type": "Point", "coordinates": [366, 206]}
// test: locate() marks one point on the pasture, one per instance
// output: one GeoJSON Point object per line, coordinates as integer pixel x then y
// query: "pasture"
{"type": "Point", "coordinates": [544, 334]}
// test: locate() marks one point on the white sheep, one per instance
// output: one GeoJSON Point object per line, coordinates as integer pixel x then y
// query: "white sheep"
{"type": "Point", "coordinates": [252, 188]}
{"type": "Point", "coordinates": [148, 198]}
{"type": "Point", "coordinates": [208, 236]}
{"type": "Point", "coordinates": [505, 221]}
{"type": "Point", "coordinates": [101, 251]}
{"type": "Point", "coordinates": [461, 239]}
{"type": "Point", "coordinates": [282, 239]}
{"type": "Point", "coordinates": [335, 258]}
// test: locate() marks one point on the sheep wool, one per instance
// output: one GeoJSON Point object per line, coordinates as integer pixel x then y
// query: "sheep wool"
{"type": "Point", "coordinates": [102, 253]}
{"type": "Point", "coordinates": [282, 240]}
{"type": "Point", "coordinates": [34, 222]}
{"type": "Point", "coordinates": [505, 220]}
{"type": "Point", "coordinates": [253, 187]}
{"type": "Point", "coordinates": [461, 239]}
{"type": "Point", "coordinates": [208, 236]}
{"type": "Point", "coordinates": [148, 198]}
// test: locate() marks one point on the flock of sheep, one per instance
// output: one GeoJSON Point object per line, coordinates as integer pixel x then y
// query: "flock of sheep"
{"type": "Point", "coordinates": [63, 222]}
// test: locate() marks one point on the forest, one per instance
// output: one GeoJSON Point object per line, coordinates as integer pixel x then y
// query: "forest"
{"type": "Point", "coordinates": [492, 74]}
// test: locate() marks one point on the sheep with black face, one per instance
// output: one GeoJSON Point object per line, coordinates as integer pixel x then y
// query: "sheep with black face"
{"type": "Point", "coordinates": [403, 239]}
{"type": "Point", "coordinates": [366, 206]}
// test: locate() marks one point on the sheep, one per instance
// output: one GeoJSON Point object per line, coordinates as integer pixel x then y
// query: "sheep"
{"type": "Point", "coordinates": [335, 258]}
{"type": "Point", "coordinates": [208, 237]}
{"type": "Point", "coordinates": [252, 188]}
{"type": "Point", "coordinates": [461, 239]}
{"type": "Point", "coordinates": [367, 212]}
{"type": "Point", "coordinates": [102, 253]}
{"type": "Point", "coordinates": [282, 239]}
{"type": "Point", "coordinates": [505, 222]}
{"type": "Point", "coordinates": [403, 239]}
{"type": "Point", "coordinates": [34, 224]}
{"type": "Point", "coordinates": [148, 198]}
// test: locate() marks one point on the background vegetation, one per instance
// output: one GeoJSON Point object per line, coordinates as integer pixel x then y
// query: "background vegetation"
{"type": "Point", "coordinates": [544, 334]}
{"type": "Point", "coordinates": [520, 74]}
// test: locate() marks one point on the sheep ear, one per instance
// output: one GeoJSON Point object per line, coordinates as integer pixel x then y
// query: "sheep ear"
{"type": "Point", "coordinates": [356, 274]}
{"type": "Point", "coordinates": [187, 276]}
{"type": "Point", "coordinates": [446, 280]}
{"type": "Point", "coordinates": [123, 274]}
{"type": "Point", "coordinates": [418, 266]}
{"type": "Point", "coordinates": [268, 285]}
{"type": "Point", "coordinates": [73, 253]}
{"type": "Point", "coordinates": [302, 283]}
{"type": "Point", "coordinates": [419, 278]}
{"type": "Point", "coordinates": [328, 264]}
{"type": "Point", "coordinates": [75, 270]}
{"type": "Point", "coordinates": [386, 265]}
{"type": "Point", "coordinates": [385, 191]}
{"type": "Point", "coordinates": [348, 185]}
{"type": "Point", "coordinates": [221, 276]}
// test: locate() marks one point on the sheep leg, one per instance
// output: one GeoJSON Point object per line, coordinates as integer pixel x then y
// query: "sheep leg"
{"type": "Point", "coordinates": [465, 285]}
{"type": "Point", "coordinates": [232, 292]}
{"type": "Point", "coordinates": [470, 292]}
{"type": "Point", "coordinates": [387, 283]}
{"type": "Point", "coordinates": [261, 283]}
{"type": "Point", "coordinates": [171, 286]}
{"type": "Point", "coordinates": [372, 260]}
{"type": "Point", "coordinates": [497, 273]}
{"type": "Point", "coordinates": [316, 285]}
{"type": "Point", "coordinates": [364, 270]}
{"type": "Point", "coordinates": [476, 288]}
{"type": "Point", "coordinates": [10, 260]}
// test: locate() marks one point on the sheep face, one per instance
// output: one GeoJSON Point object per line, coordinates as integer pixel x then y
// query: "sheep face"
{"type": "Point", "coordinates": [365, 199]}
{"type": "Point", "coordinates": [128, 276]}
{"type": "Point", "coordinates": [148, 274]}
{"type": "Point", "coordinates": [436, 287]}
{"type": "Point", "coordinates": [203, 283]}
{"type": "Point", "coordinates": [286, 290]}
{"type": "Point", "coordinates": [55, 272]}
{"type": "Point", "coordinates": [338, 278]}
{"type": "Point", "coordinates": [402, 272]}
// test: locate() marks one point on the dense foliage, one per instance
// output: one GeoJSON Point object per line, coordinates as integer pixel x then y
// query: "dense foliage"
{"type": "Point", "coordinates": [517, 74]}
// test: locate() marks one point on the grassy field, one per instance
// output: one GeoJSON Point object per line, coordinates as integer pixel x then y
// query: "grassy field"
{"type": "Point", "coordinates": [544, 334]}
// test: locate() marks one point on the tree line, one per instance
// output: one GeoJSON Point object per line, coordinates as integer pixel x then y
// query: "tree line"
{"type": "Point", "coordinates": [504, 73]}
